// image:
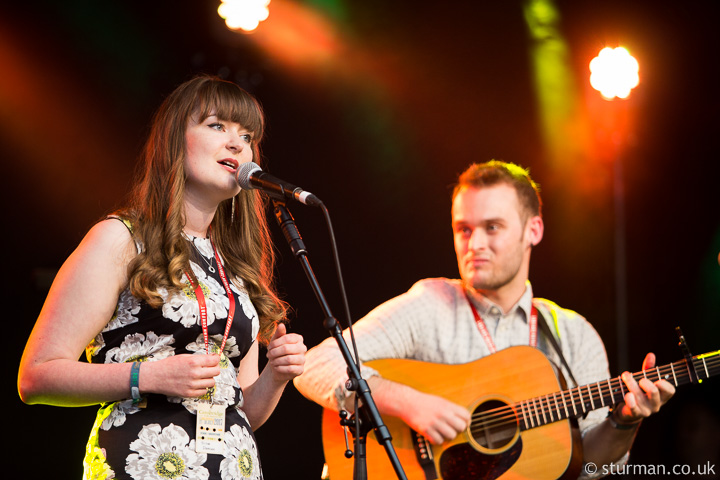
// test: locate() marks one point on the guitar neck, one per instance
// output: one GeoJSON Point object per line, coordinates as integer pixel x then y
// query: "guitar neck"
{"type": "Point", "coordinates": [578, 401]}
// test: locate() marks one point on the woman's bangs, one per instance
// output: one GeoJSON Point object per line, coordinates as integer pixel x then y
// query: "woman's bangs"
{"type": "Point", "coordinates": [228, 102]}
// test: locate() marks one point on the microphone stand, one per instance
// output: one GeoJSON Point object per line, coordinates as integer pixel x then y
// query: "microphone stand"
{"type": "Point", "coordinates": [367, 412]}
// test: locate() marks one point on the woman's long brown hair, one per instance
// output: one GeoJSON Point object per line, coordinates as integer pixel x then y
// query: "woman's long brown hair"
{"type": "Point", "coordinates": [156, 203]}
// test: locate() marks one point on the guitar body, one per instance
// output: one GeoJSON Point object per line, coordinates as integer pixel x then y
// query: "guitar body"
{"type": "Point", "coordinates": [506, 377]}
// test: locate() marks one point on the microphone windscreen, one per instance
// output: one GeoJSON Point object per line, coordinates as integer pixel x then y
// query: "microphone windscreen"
{"type": "Point", "coordinates": [243, 174]}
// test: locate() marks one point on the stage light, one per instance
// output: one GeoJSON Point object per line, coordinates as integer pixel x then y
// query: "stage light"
{"type": "Point", "coordinates": [614, 72]}
{"type": "Point", "coordinates": [244, 14]}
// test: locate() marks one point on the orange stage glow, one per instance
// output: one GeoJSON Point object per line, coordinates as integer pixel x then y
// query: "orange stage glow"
{"type": "Point", "coordinates": [298, 36]}
{"type": "Point", "coordinates": [57, 133]}
{"type": "Point", "coordinates": [614, 73]}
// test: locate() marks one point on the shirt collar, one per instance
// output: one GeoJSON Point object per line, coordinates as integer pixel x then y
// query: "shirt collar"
{"type": "Point", "coordinates": [524, 304]}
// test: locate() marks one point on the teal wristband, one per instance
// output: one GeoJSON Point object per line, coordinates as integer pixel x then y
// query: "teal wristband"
{"type": "Point", "coordinates": [134, 382]}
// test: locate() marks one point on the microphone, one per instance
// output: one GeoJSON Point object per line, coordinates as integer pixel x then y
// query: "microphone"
{"type": "Point", "coordinates": [249, 176]}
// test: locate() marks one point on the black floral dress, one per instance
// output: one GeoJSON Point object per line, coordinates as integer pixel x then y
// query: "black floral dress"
{"type": "Point", "coordinates": [155, 438]}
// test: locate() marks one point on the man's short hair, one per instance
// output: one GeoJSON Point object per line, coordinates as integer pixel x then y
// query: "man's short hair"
{"type": "Point", "coordinates": [496, 172]}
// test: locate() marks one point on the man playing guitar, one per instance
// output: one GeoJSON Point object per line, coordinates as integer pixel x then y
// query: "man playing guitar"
{"type": "Point", "coordinates": [496, 220]}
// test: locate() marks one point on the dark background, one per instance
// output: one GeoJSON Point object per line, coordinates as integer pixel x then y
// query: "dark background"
{"type": "Point", "coordinates": [375, 107]}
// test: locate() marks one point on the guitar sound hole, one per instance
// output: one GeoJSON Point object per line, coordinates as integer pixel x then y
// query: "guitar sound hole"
{"type": "Point", "coordinates": [494, 424]}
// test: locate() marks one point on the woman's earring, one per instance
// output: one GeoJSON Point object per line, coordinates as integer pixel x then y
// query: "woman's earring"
{"type": "Point", "coordinates": [232, 211]}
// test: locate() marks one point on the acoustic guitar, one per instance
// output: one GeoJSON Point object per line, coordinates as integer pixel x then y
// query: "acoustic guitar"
{"type": "Point", "coordinates": [522, 431]}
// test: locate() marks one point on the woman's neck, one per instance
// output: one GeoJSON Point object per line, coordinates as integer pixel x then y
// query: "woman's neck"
{"type": "Point", "coordinates": [198, 219]}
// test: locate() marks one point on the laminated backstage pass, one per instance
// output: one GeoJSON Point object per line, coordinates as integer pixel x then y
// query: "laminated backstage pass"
{"type": "Point", "coordinates": [210, 428]}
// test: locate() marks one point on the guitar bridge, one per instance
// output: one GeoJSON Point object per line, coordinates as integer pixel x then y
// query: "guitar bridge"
{"type": "Point", "coordinates": [424, 455]}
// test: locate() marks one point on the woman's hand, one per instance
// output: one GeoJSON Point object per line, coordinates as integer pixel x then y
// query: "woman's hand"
{"type": "Point", "coordinates": [186, 375]}
{"type": "Point", "coordinates": [286, 355]}
{"type": "Point", "coordinates": [286, 360]}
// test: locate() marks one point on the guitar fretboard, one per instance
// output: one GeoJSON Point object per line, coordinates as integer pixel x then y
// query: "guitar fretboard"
{"type": "Point", "coordinates": [580, 400]}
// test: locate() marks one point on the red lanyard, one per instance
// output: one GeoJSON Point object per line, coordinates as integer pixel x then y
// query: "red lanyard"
{"type": "Point", "coordinates": [200, 296]}
{"type": "Point", "coordinates": [532, 324]}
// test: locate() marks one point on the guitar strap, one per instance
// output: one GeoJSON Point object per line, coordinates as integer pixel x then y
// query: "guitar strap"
{"type": "Point", "coordinates": [545, 329]}
{"type": "Point", "coordinates": [532, 322]}
{"type": "Point", "coordinates": [576, 458]}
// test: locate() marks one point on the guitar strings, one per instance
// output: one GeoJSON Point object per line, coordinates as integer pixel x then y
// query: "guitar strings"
{"type": "Point", "coordinates": [508, 413]}
{"type": "Point", "coordinates": [545, 403]}
{"type": "Point", "coordinates": [535, 411]}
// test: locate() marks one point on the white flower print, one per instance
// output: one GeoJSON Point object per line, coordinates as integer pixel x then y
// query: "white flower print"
{"type": "Point", "coordinates": [241, 457]}
{"type": "Point", "coordinates": [204, 246]}
{"type": "Point", "coordinates": [127, 307]}
{"type": "Point", "coordinates": [117, 416]}
{"type": "Point", "coordinates": [125, 311]}
{"type": "Point", "coordinates": [135, 347]}
{"type": "Point", "coordinates": [140, 347]}
{"type": "Point", "coordinates": [238, 287]}
{"type": "Point", "coordinates": [165, 454]}
{"type": "Point", "coordinates": [231, 348]}
{"type": "Point", "coordinates": [183, 307]}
